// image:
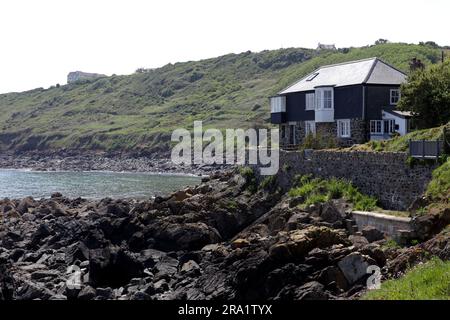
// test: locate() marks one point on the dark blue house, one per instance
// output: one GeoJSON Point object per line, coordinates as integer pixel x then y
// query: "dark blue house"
{"type": "Point", "coordinates": [349, 103]}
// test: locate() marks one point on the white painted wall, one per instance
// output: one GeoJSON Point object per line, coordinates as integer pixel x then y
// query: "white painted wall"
{"type": "Point", "coordinates": [401, 122]}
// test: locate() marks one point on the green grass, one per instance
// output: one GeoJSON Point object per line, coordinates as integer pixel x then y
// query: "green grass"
{"type": "Point", "coordinates": [138, 112]}
{"type": "Point", "coordinates": [317, 190]}
{"type": "Point", "coordinates": [249, 174]}
{"type": "Point", "coordinates": [430, 281]}
{"type": "Point", "coordinates": [439, 186]}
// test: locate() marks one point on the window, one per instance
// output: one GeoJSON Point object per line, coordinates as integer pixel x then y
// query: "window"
{"type": "Point", "coordinates": [395, 96]}
{"type": "Point", "coordinates": [310, 128]}
{"type": "Point", "coordinates": [343, 127]}
{"type": "Point", "coordinates": [327, 99]}
{"type": "Point", "coordinates": [309, 101]}
{"type": "Point", "coordinates": [292, 134]}
{"type": "Point", "coordinates": [375, 126]}
{"type": "Point", "coordinates": [277, 104]}
{"type": "Point", "coordinates": [382, 126]}
{"type": "Point", "coordinates": [389, 126]}
{"type": "Point", "coordinates": [324, 98]}
{"type": "Point", "coordinates": [312, 76]}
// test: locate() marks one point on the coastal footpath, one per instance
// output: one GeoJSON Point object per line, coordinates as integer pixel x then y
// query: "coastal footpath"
{"type": "Point", "coordinates": [227, 238]}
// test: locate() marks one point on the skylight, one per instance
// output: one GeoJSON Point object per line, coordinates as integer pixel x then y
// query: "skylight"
{"type": "Point", "coordinates": [311, 77]}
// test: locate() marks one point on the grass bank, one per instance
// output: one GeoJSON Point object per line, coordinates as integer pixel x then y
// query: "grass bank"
{"type": "Point", "coordinates": [430, 281]}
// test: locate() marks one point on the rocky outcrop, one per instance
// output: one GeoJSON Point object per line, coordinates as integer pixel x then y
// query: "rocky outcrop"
{"type": "Point", "coordinates": [77, 76]}
{"type": "Point", "coordinates": [218, 240]}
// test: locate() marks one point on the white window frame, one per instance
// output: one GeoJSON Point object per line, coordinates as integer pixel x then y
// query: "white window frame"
{"type": "Point", "coordinates": [391, 96]}
{"type": "Point", "coordinates": [310, 128]}
{"type": "Point", "coordinates": [278, 104]}
{"type": "Point", "coordinates": [343, 128]}
{"type": "Point", "coordinates": [309, 101]}
{"type": "Point", "coordinates": [321, 101]}
{"type": "Point", "coordinates": [375, 125]}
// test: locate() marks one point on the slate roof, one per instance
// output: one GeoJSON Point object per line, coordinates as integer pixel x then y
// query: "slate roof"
{"type": "Point", "coordinates": [370, 71]}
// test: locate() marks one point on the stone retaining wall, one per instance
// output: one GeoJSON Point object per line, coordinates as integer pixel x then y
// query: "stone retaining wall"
{"type": "Point", "coordinates": [391, 226]}
{"type": "Point", "coordinates": [385, 175]}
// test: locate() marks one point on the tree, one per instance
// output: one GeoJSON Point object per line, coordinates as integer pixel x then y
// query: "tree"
{"type": "Point", "coordinates": [427, 95]}
{"type": "Point", "coordinates": [381, 41]}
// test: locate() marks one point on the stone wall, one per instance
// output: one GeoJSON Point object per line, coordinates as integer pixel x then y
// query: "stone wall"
{"type": "Point", "coordinates": [391, 226]}
{"type": "Point", "coordinates": [385, 175]}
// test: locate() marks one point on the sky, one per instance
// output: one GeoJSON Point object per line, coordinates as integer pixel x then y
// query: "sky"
{"type": "Point", "coordinates": [42, 41]}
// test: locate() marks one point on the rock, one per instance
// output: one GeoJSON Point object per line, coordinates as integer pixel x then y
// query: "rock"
{"type": "Point", "coordinates": [31, 291]}
{"type": "Point", "coordinates": [330, 213]}
{"type": "Point", "coordinates": [240, 243]}
{"type": "Point", "coordinates": [300, 242]}
{"type": "Point", "coordinates": [42, 274]}
{"type": "Point", "coordinates": [161, 286]}
{"type": "Point", "coordinates": [296, 219]}
{"type": "Point", "coordinates": [186, 236]}
{"type": "Point", "coordinates": [56, 195]}
{"type": "Point", "coordinates": [333, 275]}
{"type": "Point", "coordinates": [25, 204]}
{"type": "Point", "coordinates": [311, 291]}
{"type": "Point", "coordinates": [105, 293]}
{"type": "Point", "coordinates": [181, 195]}
{"type": "Point", "coordinates": [166, 267]}
{"type": "Point", "coordinates": [190, 267]}
{"type": "Point", "coordinates": [374, 251]}
{"type": "Point", "coordinates": [6, 281]}
{"type": "Point", "coordinates": [87, 293]}
{"type": "Point", "coordinates": [77, 251]}
{"type": "Point", "coordinates": [358, 241]}
{"type": "Point", "coordinates": [354, 267]}
{"type": "Point", "coordinates": [113, 267]}
{"type": "Point", "coordinates": [139, 295]}
{"type": "Point", "coordinates": [372, 234]}
{"type": "Point", "coordinates": [41, 233]}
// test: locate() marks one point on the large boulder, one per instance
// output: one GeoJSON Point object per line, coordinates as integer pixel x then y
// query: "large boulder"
{"type": "Point", "coordinates": [297, 243]}
{"type": "Point", "coordinates": [354, 267]}
{"type": "Point", "coordinates": [182, 236]}
{"type": "Point", "coordinates": [330, 213]}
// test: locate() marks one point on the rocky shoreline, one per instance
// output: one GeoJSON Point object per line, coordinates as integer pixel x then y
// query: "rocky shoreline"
{"type": "Point", "coordinates": [220, 240]}
{"type": "Point", "coordinates": [93, 162]}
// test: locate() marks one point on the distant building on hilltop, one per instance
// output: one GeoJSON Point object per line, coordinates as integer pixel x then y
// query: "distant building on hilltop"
{"type": "Point", "coordinates": [322, 46]}
{"type": "Point", "coordinates": [79, 75]}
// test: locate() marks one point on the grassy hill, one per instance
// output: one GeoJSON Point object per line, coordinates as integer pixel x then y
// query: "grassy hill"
{"type": "Point", "coordinates": [137, 113]}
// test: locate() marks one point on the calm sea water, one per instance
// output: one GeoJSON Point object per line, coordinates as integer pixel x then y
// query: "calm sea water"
{"type": "Point", "coordinates": [19, 183]}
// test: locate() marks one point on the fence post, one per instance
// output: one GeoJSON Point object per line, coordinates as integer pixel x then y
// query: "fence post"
{"type": "Point", "coordinates": [423, 148]}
